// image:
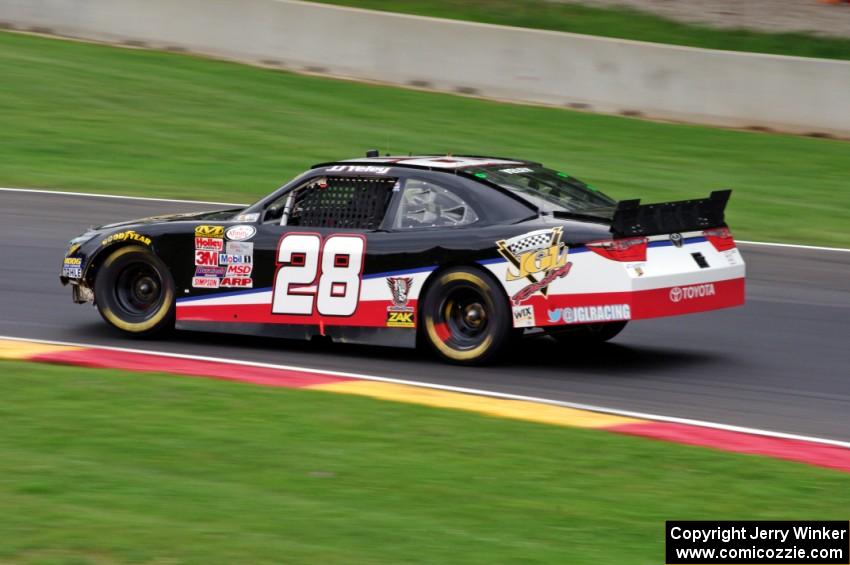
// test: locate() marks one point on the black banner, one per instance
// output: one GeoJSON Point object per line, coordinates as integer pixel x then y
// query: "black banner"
{"type": "Point", "coordinates": [757, 543]}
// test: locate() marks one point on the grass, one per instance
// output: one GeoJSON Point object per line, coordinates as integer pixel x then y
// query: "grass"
{"type": "Point", "coordinates": [101, 466]}
{"type": "Point", "coordinates": [89, 117]}
{"type": "Point", "coordinates": [612, 22]}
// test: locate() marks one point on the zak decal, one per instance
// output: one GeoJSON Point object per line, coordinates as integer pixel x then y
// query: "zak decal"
{"type": "Point", "coordinates": [240, 233]}
{"type": "Point", "coordinates": [129, 235]}
{"type": "Point", "coordinates": [591, 314]}
{"type": "Point", "coordinates": [209, 231]}
{"type": "Point", "coordinates": [400, 320]}
{"type": "Point", "coordinates": [539, 257]}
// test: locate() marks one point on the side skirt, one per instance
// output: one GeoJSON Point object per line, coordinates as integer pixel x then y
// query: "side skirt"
{"type": "Point", "coordinates": [389, 337]}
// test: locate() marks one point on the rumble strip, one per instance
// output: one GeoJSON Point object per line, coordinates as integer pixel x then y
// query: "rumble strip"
{"type": "Point", "coordinates": [812, 451]}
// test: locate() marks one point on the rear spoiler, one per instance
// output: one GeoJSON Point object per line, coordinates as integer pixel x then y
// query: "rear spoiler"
{"type": "Point", "coordinates": [633, 218]}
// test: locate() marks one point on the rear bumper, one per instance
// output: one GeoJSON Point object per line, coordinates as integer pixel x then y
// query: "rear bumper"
{"type": "Point", "coordinates": [673, 280]}
{"type": "Point", "coordinates": [640, 304]}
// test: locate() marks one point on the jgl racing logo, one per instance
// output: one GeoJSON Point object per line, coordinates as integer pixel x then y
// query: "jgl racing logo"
{"type": "Point", "coordinates": [539, 256]}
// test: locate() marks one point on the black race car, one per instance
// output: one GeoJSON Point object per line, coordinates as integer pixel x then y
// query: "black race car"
{"type": "Point", "coordinates": [458, 252]}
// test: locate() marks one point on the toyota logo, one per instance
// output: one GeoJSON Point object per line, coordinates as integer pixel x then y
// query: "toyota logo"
{"type": "Point", "coordinates": [676, 239]}
{"type": "Point", "coordinates": [675, 294]}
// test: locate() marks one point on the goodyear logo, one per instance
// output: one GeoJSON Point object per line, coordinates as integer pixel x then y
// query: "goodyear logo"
{"type": "Point", "coordinates": [129, 235]}
{"type": "Point", "coordinates": [400, 320]}
{"type": "Point", "coordinates": [209, 231]}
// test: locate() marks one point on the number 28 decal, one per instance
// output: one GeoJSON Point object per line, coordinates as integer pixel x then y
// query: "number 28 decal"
{"type": "Point", "coordinates": [321, 274]}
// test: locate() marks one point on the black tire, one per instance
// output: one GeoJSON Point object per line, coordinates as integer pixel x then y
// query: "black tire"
{"type": "Point", "coordinates": [588, 334]}
{"type": "Point", "coordinates": [134, 292]}
{"type": "Point", "coordinates": [465, 316]}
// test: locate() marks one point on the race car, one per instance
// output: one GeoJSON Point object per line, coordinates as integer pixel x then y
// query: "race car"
{"type": "Point", "coordinates": [462, 253]}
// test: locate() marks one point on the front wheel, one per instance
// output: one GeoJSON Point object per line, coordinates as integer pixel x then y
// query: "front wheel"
{"type": "Point", "coordinates": [134, 292]}
{"type": "Point", "coordinates": [465, 316]}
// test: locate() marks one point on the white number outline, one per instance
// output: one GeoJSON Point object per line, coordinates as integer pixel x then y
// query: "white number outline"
{"type": "Point", "coordinates": [312, 289]}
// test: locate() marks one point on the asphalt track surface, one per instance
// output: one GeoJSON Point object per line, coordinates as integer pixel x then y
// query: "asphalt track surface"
{"type": "Point", "coordinates": [780, 363]}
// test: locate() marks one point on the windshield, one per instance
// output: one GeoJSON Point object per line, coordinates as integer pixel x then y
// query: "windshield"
{"type": "Point", "coordinates": [549, 190]}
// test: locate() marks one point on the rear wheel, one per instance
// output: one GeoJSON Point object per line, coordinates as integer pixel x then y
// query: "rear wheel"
{"type": "Point", "coordinates": [134, 292]}
{"type": "Point", "coordinates": [465, 316]}
{"type": "Point", "coordinates": [586, 334]}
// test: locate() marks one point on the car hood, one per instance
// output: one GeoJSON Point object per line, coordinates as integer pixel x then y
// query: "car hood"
{"type": "Point", "coordinates": [213, 215]}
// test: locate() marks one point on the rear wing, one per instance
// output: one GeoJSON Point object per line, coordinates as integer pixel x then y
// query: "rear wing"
{"type": "Point", "coordinates": [632, 218]}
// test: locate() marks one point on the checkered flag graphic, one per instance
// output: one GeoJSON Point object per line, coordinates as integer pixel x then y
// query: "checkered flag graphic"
{"type": "Point", "coordinates": [533, 241]}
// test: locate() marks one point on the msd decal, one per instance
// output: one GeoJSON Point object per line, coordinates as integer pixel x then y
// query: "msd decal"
{"type": "Point", "coordinates": [539, 257]}
{"type": "Point", "coordinates": [239, 270]}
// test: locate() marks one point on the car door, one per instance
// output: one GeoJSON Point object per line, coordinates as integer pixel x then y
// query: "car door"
{"type": "Point", "coordinates": [312, 246]}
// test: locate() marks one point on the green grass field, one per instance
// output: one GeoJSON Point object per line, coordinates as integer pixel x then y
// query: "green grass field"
{"type": "Point", "coordinates": [102, 467]}
{"type": "Point", "coordinates": [89, 117]}
{"type": "Point", "coordinates": [611, 22]}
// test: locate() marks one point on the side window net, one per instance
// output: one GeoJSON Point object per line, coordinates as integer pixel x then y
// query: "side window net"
{"type": "Point", "coordinates": [339, 202]}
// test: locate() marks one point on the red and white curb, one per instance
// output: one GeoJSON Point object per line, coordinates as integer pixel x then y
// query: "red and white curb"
{"type": "Point", "coordinates": [820, 452]}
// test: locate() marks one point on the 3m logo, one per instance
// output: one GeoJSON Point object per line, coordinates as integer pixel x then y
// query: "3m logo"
{"type": "Point", "coordinates": [206, 258]}
{"type": "Point", "coordinates": [400, 320]}
{"type": "Point", "coordinates": [209, 231]}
